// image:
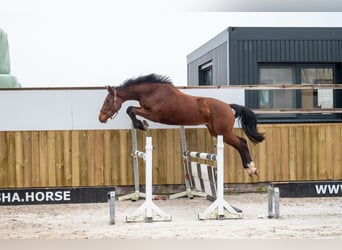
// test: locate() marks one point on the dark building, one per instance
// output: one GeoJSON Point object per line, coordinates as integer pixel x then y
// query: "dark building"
{"type": "Point", "coordinates": [267, 55]}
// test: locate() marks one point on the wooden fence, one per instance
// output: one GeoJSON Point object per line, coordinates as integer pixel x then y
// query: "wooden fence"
{"type": "Point", "coordinates": [291, 152]}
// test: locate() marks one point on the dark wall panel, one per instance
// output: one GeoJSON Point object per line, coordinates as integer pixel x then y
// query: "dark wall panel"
{"type": "Point", "coordinates": [219, 58]}
{"type": "Point", "coordinates": [250, 46]}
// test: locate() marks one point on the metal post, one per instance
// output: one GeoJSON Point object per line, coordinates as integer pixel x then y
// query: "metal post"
{"type": "Point", "coordinates": [111, 198]}
{"type": "Point", "coordinates": [270, 201]}
{"type": "Point", "coordinates": [273, 195]}
{"type": "Point", "coordinates": [276, 202]}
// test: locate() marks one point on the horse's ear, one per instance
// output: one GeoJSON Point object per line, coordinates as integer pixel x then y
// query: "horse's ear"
{"type": "Point", "coordinates": [110, 89]}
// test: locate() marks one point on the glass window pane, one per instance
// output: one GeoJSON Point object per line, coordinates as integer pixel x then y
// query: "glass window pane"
{"type": "Point", "coordinates": [322, 98]}
{"type": "Point", "coordinates": [205, 74]}
{"type": "Point", "coordinates": [276, 99]}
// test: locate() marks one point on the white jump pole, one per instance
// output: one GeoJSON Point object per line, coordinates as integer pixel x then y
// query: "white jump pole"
{"type": "Point", "coordinates": [148, 184]}
{"type": "Point", "coordinates": [220, 209]}
{"type": "Point", "coordinates": [220, 180]}
{"type": "Point", "coordinates": [148, 211]}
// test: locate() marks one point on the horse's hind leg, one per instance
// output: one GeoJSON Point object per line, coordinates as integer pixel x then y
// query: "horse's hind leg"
{"type": "Point", "coordinates": [248, 164]}
{"type": "Point", "coordinates": [240, 144]}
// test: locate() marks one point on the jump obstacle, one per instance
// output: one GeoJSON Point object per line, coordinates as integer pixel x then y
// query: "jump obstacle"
{"type": "Point", "coordinates": [190, 192]}
{"type": "Point", "coordinates": [203, 179]}
{"type": "Point", "coordinates": [200, 180]}
{"type": "Point", "coordinates": [148, 211]}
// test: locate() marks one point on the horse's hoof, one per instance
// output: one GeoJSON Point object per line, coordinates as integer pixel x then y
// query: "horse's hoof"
{"type": "Point", "coordinates": [256, 172]}
{"type": "Point", "coordinates": [252, 169]}
{"type": "Point", "coordinates": [145, 125]}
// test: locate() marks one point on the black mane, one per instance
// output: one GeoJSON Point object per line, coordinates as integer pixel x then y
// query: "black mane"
{"type": "Point", "coordinates": [151, 78]}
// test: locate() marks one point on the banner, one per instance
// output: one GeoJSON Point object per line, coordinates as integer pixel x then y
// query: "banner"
{"type": "Point", "coordinates": [65, 195]}
{"type": "Point", "coordinates": [310, 189]}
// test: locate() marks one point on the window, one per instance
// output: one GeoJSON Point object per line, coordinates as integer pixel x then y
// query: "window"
{"type": "Point", "coordinates": [275, 99]}
{"type": "Point", "coordinates": [205, 74]}
{"type": "Point", "coordinates": [302, 99]}
{"type": "Point", "coordinates": [321, 98]}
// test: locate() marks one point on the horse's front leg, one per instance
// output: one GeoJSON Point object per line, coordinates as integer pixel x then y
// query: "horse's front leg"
{"type": "Point", "coordinates": [132, 113]}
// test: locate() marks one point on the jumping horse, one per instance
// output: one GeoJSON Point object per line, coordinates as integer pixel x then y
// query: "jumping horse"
{"type": "Point", "coordinates": [160, 101]}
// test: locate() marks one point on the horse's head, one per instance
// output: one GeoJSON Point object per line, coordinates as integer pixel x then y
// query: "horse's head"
{"type": "Point", "coordinates": [111, 105]}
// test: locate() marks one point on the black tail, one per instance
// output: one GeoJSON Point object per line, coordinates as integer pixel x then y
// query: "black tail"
{"type": "Point", "coordinates": [248, 121]}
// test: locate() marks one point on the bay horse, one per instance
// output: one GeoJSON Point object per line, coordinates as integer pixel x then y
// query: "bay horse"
{"type": "Point", "coordinates": [160, 101]}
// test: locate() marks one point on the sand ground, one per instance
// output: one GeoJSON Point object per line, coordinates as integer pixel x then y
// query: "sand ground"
{"type": "Point", "coordinates": [304, 218]}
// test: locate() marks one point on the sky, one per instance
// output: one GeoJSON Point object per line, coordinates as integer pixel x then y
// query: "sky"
{"type": "Point", "coordinates": [67, 43]}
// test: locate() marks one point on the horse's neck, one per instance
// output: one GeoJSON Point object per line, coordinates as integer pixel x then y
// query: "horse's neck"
{"type": "Point", "coordinates": [136, 93]}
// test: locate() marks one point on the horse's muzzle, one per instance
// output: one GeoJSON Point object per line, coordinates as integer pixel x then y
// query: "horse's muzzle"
{"type": "Point", "coordinates": [103, 118]}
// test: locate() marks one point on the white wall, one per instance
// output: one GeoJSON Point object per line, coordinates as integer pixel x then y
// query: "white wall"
{"type": "Point", "coordinates": [77, 109]}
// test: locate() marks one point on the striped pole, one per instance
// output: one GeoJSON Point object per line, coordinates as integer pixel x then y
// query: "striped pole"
{"type": "Point", "coordinates": [205, 156]}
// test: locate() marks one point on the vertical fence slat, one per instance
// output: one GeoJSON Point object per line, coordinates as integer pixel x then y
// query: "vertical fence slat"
{"type": "Point", "coordinates": [115, 157]}
{"type": "Point", "coordinates": [19, 159]}
{"type": "Point", "coordinates": [84, 179]}
{"type": "Point", "coordinates": [337, 152]}
{"type": "Point", "coordinates": [277, 154]}
{"type": "Point", "coordinates": [98, 158]}
{"type": "Point", "coordinates": [35, 159]}
{"type": "Point", "coordinates": [59, 162]}
{"type": "Point", "coordinates": [330, 149]}
{"type": "Point", "coordinates": [299, 152]}
{"type": "Point", "coordinates": [67, 157]}
{"type": "Point", "coordinates": [160, 164]}
{"type": "Point", "coordinates": [322, 174]}
{"type": "Point", "coordinates": [270, 155]}
{"type": "Point", "coordinates": [307, 157]}
{"type": "Point", "coordinates": [123, 163]}
{"type": "Point", "coordinates": [107, 157]}
{"type": "Point", "coordinates": [90, 159]}
{"type": "Point", "coordinates": [314, 153]}
{"type": "Point", "coordinates": [176, 165]}
{"type": "Point", "coordinates": [27, 158]}
{"type": "Point", "coordinates": [284, 155]}
{"type": "Point", "coordinates": [75, 159]}
{"type": "Point", "coordinates": [43, 159]}
{"type": "Point", "coordinates": [51, 158]}
{"type": "Point", "coordinates": [3, 159]}
{"type": "Point", "coordinates": [11, 170]}
{"type": "Point", "coordinates": [292, 153]}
